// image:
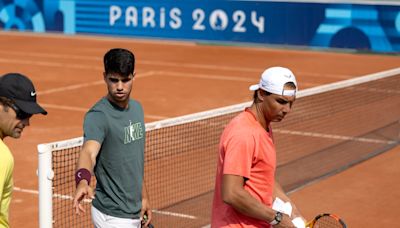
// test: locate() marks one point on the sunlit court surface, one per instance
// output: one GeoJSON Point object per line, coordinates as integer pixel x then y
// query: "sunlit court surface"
{"type": "Point", "coordinates": [179, 78]}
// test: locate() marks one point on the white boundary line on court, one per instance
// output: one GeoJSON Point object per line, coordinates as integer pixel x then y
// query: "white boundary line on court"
{"type": "Point", "coordinates": [338, 137]}
{"type": "Point", "coordinates": [114, 39]}
{"type": "Point", "coordinates": [71, 87]}
{"type": "Point", "coordinates": [142, 75]}
{"type": "Point", "coordinates": [51, 55]}
{"type": "Point", "coordinates": [349, 82]}
{"type": "Point", "coordinates": [66, 197]}
{"type": "Point", "coordinates": [79, 86]}
{"type": "Point", "coordinates": [174, 214]}
{"type": "Point", "coordinates": [64, 107]}
{"type": "Point", "coordinates": [49, 64]}
{"type": "Point", "coordinates": [83, 85]}
{"type": "Point", "coordinates": [204, 76]}
{"type": "Point", "coordinates": [144, 62]}
{"type": "Point", "coordinates": [155, 73]}
{"type": "Point", "coordinates": [78, 109]}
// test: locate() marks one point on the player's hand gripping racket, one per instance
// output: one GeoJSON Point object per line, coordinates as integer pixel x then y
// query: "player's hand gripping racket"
{"type": "Point", "coordinates": [326, 221]}
{"type": "Point", "coordinates": [145, 220]}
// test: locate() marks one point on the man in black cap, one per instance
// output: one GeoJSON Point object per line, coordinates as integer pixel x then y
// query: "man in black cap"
{"type": "Point", "coordinates": [17, 105]}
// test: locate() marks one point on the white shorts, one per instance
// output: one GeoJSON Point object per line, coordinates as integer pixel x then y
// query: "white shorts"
{"type": "Point", "coordinates": [101, 220]}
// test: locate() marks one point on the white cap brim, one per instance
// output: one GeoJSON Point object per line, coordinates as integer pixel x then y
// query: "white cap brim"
{"type": "Point", "coordinates": [254, 87]}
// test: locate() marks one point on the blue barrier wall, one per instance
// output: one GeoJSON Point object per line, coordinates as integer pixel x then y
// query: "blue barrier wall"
{"type": "Point", "coordinates": [355, 26]}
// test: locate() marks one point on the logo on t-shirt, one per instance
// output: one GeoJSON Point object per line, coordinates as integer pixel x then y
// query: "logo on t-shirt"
{"type": "Point", "coordinates": [133, 132]}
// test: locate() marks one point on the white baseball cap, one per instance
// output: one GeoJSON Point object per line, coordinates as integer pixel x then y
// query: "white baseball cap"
{"type": "Point", "coordinates": [274, 79]}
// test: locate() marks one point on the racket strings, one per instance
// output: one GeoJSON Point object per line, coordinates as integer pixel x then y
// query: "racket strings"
{"type": "Point", "coordinates": [328, 222]}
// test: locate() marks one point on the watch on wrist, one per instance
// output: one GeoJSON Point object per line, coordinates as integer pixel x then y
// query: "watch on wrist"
{"type": "Point", "coordinates": [277, 219]}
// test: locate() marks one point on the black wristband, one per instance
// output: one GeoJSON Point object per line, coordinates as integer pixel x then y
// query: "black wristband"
{"type": "Point", "coordinates": [277, 219]}
{"type": "Point", "coordinates": [82, 174]}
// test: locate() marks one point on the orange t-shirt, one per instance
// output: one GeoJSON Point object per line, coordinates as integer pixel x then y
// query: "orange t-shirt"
{"type": "Point", "coordinates": [246, 150]}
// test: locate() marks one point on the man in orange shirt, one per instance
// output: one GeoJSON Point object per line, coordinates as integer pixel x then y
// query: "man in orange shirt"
{"type": "Point", "coordinates": [245, 185]}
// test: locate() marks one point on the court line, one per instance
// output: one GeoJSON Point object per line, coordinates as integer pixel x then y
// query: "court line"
{"type": "Point", "coordinates": [78, 109]}
{"type": "Point", "coordinates": [114, 39]}
{"type": "Point", "coordinates": [219, 77]}
{"type": "Point", "coordinates": [49, 64]}
{"type": "Point", "coordinates": [339, 137]}
{"type": "Point", "coordinates": [156, 73]}
{"type": "Point", "coordinates": [64, 107]}
{"type": "Point", "coordinates": [71, 87]}
{"type": "Point", "coordinates": [83, 85]}
{"type": "Point", "coordinates": [216, 77]}
{"type": "Point", "coordinates": [384, 91]}
{"type": "Point", "coordinates": [174, 214]}
{"type": "Point", "coordinates": [240, 69]}
{"type": "Point", "coordinates": [51, 55]}
{"type": "Point", "coordinates": [144, 62]}
{"type": "Point", "coordinates": [36, 192]}
{"type": "Point", "coordinates": [204, 76]}
{"type": "Point", "coordinates": [67, 197]}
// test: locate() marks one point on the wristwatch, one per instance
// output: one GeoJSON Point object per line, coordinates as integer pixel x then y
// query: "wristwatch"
{"type": "Point", "coordinates": [277, 219]}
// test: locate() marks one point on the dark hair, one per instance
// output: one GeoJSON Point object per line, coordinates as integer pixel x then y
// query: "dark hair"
{"type": "Point", "coordinates": [6, 103]}
{"type": "Point", "coordinates": [291, 85]}
{"type": "Point", "coordinates": [119, 61]}
{"type": "Point", "coordinates": [255, 96]}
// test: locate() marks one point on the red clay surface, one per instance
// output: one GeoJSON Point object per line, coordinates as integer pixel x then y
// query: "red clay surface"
{"type": "Point", "coordinates": [366, 195]}
{"type": "Point", "coordinates": [179, 78]}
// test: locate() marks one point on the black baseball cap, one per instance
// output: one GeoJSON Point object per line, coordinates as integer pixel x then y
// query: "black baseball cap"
{"type": "Point", "coordinates": [20, 89]}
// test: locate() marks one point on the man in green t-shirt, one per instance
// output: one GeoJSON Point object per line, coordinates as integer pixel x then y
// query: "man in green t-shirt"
{"type": "Point", "coordinates": [17, 105]}
{"type": "Point", "coordinates": [113, 149]}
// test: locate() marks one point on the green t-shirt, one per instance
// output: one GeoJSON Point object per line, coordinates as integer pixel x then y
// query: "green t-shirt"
{"type": "Point", "coordinates": [120, 163]}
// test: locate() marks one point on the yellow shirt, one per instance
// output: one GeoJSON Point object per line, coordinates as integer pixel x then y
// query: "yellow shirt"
{"type": "Point", "coordinates": [6, 183]}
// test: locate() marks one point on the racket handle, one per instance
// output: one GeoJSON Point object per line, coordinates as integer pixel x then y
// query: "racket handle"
{"type": "Point", "coordinates": [149, 226]}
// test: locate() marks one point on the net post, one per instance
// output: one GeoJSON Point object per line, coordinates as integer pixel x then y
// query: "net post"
{"type": "Point", "coordinates": [45, 176]}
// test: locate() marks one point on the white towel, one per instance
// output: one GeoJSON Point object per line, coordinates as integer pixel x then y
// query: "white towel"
{"type": "Point", "coordinates": [286, 208]}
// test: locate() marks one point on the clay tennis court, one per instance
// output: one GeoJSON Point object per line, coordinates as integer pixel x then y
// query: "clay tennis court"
{"type": "Point", "coordinates": [178, 78]}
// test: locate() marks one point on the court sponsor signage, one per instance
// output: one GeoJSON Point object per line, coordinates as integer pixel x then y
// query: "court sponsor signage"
{"type": "Point", "coordinates": [355, 26]}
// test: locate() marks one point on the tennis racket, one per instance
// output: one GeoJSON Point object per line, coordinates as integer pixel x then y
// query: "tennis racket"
{"type": "Point", "coordinates": [326, 220]}
{"type": "Point", "coordinates": [149, 226]}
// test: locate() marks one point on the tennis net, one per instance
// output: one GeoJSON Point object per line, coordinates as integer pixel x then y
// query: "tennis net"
{"type": "Point", "coordinates": [330, 128]}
